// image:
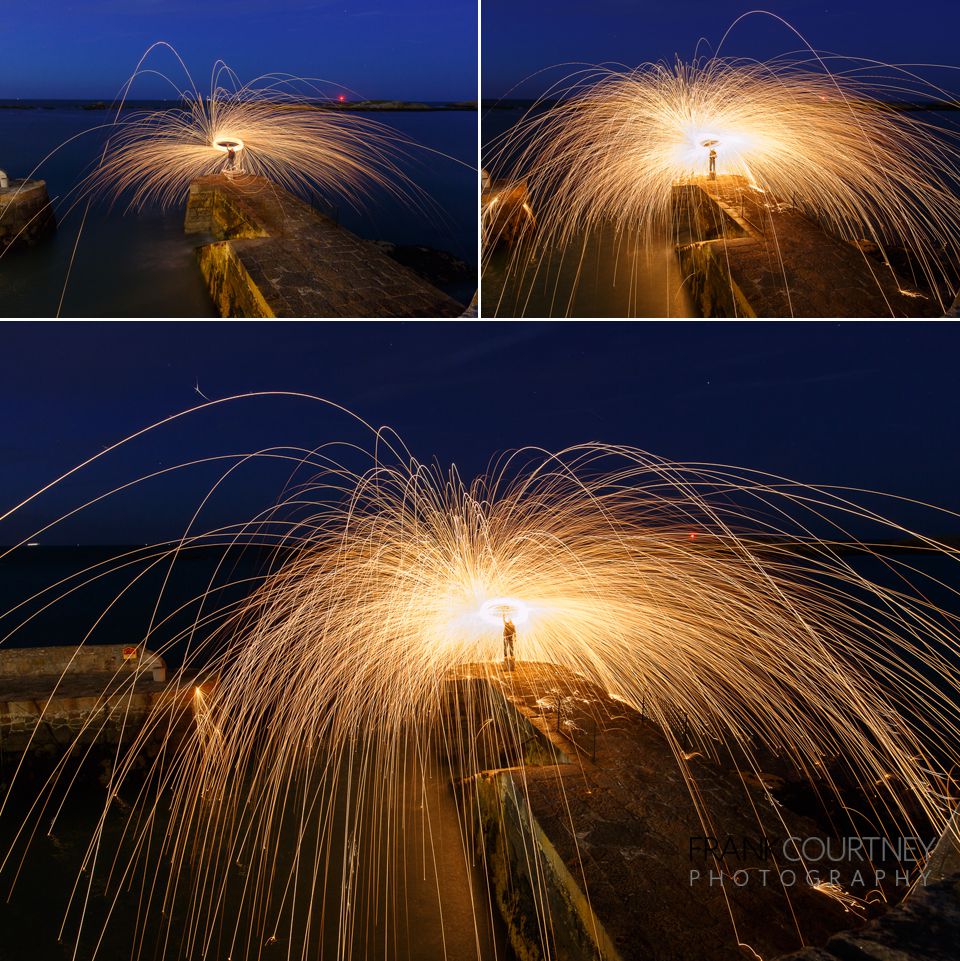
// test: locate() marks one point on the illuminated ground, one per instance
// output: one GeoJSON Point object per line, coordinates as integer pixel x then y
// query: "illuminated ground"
{"type": "Point", "coordinates": [786, 265]}
{"type": "Point", "coordinates": [623, 811]}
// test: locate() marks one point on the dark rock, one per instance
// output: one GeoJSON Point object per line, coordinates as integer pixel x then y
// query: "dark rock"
{"type": "Point", "coordinates": [926, 927]}
{"type": "Point", "coordinates": [441, 269]}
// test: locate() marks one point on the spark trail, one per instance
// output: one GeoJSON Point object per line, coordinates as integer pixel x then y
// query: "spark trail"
{"type": "Point", "coordinates": [276, 126]}
{"type": "Point", "coordinates": [606, 147]}
{"type": "Point", "coordinates": [390, 579]}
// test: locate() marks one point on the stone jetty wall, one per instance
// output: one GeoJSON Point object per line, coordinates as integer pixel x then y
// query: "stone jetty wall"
{"type": "Point", "coordinates": [26, 215]}
{"type": "Point", "coordinates": [528, 877]}
{"type": "Point", "coordinates": [276, 256]}
{"type": "Point", "coordinates": [712, 288]}
{"type": "Point", "coordinates": [227, 214]}
{"type": "Point", "coordinates": [234, 290]}
{"type": "Point", "coordinates": [591, 857]}
{"type": "Point", "coordinates": [90, 659]}
{"type": "Point", "coordinates": [54, 697]}
{"type": "Point", "coordinates": [748, 254]}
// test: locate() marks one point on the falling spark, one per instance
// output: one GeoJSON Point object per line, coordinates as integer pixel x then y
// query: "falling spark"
{"type": "Point", "coordinates": [394, 581]}
{"type": "Point", "coordinates": [278, 127]}
{"type": "Point", "coordinates": [849, 901]}
{"type": "Point", "coordinates": [608, 147]}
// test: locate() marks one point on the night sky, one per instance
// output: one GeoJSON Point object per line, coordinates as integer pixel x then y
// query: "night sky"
{"type": "Point", "coordinates": [520, 37]}
{"type": "Point", "coordinates": [403, 49]}
{"type": "Point", "coordinates": [866, 405]}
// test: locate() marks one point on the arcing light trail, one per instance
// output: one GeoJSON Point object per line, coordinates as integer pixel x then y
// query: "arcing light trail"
{"type": "Point", "coordinates": [606, 147]}
{"type": "Point", "coordinates": [277, 126]}
{"type": "Point", "coordinates": [393, 579]}
{"type": "Point", "coordinates": [278, 129]}
{"type": "Point", "coordinates": [274, 127]}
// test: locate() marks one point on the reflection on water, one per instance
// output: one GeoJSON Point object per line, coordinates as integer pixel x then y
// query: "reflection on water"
{"type": "Point", "coordinates": [383, 879]}
{"type": "Point", "coordinates": [141, 265]}
{"type": "Point", "coordinates": [607, 274]}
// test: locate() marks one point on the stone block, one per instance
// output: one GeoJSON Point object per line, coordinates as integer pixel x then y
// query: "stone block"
{"type": "Point", "coordinates": [26, 214]}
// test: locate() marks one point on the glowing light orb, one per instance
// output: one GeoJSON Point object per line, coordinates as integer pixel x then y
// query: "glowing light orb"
{"type": "Point", "coordinates": [495, 610]}
{"type": "Point", "coordinates": [347, 660]}
{"type": "Point", "coordinates": [226, 144]}
{"type": "Point", "coordinates": [271, 125]}
{"type": "Point", "coordinates": [610, 149]}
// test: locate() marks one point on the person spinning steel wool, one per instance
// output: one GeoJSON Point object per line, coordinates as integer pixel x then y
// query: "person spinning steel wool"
{"type": "Point", "coordinates": [509, 639]}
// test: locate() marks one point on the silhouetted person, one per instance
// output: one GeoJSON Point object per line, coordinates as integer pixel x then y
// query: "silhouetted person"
{"type": "Point", "coordinates": [509, 639]}
{"type": "Point", "coordinates": [231, 147]}
{"type": "Point", "coordinates": [713, 165]}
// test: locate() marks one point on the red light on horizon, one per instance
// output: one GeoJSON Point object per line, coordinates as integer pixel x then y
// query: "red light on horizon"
{"type": "Point", "coordinates": [342, 98]}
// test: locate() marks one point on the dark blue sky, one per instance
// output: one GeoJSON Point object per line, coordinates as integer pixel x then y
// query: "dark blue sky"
{"type": "Point", "coordinates": [866, 405]}
{"type": "Point", "coordinates": [524, 36]}
{"type": "Point", "coordinates": [411, 49]}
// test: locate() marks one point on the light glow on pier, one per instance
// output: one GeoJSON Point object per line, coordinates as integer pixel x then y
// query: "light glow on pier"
{"type": "Point", "coordinates": [759, 635]}
{"type": "Point", "coordinates": [607, 146]}
{"type": "Point", "coordinates": [282, 125]}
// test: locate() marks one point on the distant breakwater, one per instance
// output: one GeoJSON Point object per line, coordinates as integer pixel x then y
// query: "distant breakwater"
{"type": "Point", "coordinates": [348, 106]}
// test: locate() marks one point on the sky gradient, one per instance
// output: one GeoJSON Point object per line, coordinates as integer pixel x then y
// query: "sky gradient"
{"type": "Point", "coordinates": [519, 39]}
{"type": "Point", "coordinates": [865, 405]}
{"type": "Point", "coordinates": [412, 49]}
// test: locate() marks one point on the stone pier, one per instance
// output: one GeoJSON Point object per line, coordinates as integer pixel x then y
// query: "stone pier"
{"type": "Point", "coordinates": [276, 256]}
{"type": "Point", "coordinates": [53, 698]}
{"type": "Point", "coordinates": [747, 255]}
{"type": "Point", "coordinates": [591, 824]}
{"type": "Point", "coordinates": [26, 215]}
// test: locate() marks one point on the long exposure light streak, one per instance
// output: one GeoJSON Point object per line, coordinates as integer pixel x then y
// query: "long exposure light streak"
{"type": "Point", "coordinates": [277, 126]}
{"type": "Point", "coordinates": [681, 590]}
{"type": "Point", "coordinates": [605, 148]}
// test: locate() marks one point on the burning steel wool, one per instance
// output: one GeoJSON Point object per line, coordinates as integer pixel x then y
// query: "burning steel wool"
{"type": "Point", "coordinates": [679, 590]}
{"type": "Point", "coordinates": [276, 127]}
{"type": "Point", "coordinates": [607, 147]}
